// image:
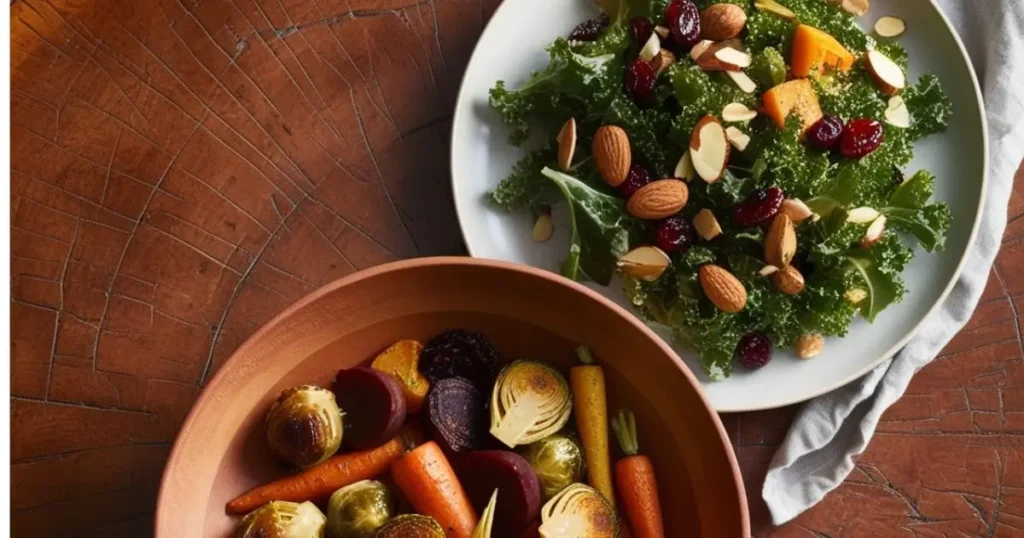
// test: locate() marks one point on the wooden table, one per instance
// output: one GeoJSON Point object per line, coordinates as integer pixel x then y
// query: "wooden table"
{"type": "Point", "coordinates": [184, 169]}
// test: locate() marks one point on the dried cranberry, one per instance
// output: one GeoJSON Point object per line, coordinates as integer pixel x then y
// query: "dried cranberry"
{"type": "Point", "coordinates": [683, 18]}
{"type": "Point", "coordinates": [676, 234]}
{"type": "Point", "coordinates": [860, 138]}
{"type": "Point", "coordinates": [640, 81]}
{"type": "Point", "coordinates": [760, 206]}
{"type": "Point", "coordinates": [589, 30]}
{"type": "Point", "coordinates": [754, 350]}
{"type": "Point", "coordinates": [637, 177]}
{"type": "Point", "coordinates": [641, 27]}
{"type": "Point", "coordinates": [825, 133]}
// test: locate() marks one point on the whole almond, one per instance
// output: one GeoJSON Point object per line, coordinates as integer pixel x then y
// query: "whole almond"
{"type": "Point", "coordinates": [723, 289]}
{"type": "Point", "coordinates": [612, 154]}
{"type": "Point", "coordinates": [809, 346]}
{"type": "Point", "coordinates": [780, 242]}
{"type": "Point", "coordinates": [789, 280]}
{"type": "Point", "coordinates": [566, 144]}
{"type": "Point", "coordinates": [722, 21]}
{"type": "Point", "coordinates": [658, 199]}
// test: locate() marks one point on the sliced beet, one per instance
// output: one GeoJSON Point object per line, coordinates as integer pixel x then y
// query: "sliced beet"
{"type": "Point", "coordinates": [373, 404]}
{"type": "Point", "coordinates": [460, 353]}
{"type": "Point", "coordinates": [518, 505]}
{"type": "Point", "coordinates": [456, 416]}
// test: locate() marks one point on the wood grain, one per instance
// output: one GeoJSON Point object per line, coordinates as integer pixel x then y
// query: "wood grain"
{"type": "Point", "coordinates": [184, 169]}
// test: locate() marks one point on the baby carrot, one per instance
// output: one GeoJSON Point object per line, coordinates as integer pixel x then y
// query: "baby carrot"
{"type": "Point", "coordinates": [590, 403]}
{"type": "Point", "coordinates": [321, 480]}
{"type": "Point", "coordinates": [634, 477]}
{"type": "Point", "coordinates": [429, 482]}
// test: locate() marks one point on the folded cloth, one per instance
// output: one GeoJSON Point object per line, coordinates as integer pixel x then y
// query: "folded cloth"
{"type": "Point", "coordinates": [831, 430]}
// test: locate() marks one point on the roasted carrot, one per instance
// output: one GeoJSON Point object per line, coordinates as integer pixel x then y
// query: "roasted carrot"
{"type": "Point", "coordinates": [429, 482]}
{"type": "Point", "coordinates": [634, 477]}
{"type": "Point", "coordinates": [590, 403]}
{"type": "Point", "coordinates": [323, 479]}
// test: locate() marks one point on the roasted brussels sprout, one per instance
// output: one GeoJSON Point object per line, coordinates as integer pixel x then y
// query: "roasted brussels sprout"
{"type": "Point", "coordinates": [411, 526]}
{"type": "Point", "coordinates": [557, 460]}
{"type": "Point", "coordinates": [304, 426]}
{"type": "Point", "coordinates": [281, 519]}
{"type": "Point", "coordinates": [530, 401]}
{"type": "Point", "coordinates": [578, 512]}
{"type": "Point", "coordinates": [358, 510]}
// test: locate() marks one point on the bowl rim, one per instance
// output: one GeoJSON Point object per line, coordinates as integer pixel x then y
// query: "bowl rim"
{"type": "Point", "coordinates": [477, 56]}
{"type": "Point", "coordinates": [205, 398]}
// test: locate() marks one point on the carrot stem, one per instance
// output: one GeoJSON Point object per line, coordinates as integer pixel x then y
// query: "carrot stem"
{"type": "Point", "coordinates": [429, 482]}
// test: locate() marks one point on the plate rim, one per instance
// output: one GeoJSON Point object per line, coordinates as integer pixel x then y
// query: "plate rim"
{"type": "Point", "coordinates": [460, 111]}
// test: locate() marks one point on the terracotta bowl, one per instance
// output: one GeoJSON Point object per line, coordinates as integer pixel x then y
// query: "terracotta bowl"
{"type": "Point", "coordinates": [526, 312]}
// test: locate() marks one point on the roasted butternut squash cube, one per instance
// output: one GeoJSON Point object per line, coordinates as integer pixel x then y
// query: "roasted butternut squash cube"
{"type": "Point", "coordinates": [814, 50]}
{"type": "Point", "coordinates": [793, 97]}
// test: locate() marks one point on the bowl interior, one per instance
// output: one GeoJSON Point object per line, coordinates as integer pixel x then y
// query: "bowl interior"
{"type": "Point", "coordinates": [220, 451]}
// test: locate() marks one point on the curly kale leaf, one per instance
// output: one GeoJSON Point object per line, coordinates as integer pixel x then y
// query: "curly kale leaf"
{"type": "Point", "coordinates": [768, 30]}
{"type": "Point", "coordinates": [600, 229]}
{"type": "Point", "coordinates": [699, 93]}
{"type": "Point", "coordinates": [796, 168]}
{"type": "Point", "coordinates": [768, 67]}
{"type": "Point", "coordinates": [647, 129]}
{"type": "Point", "coordinates": [908, 211]}
{"type": "Point", "coordinates": [571, 85]}
{"type": "Point", "coordinates": [930, 108]}
{"type": "Point", "coordinates": [525, 186]}
{"type": "Point", "coordinates": [878, 270]}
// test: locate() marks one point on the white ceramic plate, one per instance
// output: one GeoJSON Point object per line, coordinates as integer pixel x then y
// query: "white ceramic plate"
{"type": "Point", "coordinates": [512, 47]}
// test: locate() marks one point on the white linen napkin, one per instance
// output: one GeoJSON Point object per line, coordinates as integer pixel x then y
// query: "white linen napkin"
{"type": "Point", "coordinates": [830, 430]}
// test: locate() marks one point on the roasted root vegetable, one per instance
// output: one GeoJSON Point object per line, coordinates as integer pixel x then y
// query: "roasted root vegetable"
{"type": "Point", "coordinates": [483, 471]}
{"type": "Point", "coordinates": [635, 481]}
{"type": "Point", "coordinates": [814, 51]}
{"type": "Point", "coordinates": [456, 415]}
{"type": "Point", "coordinates": [591, 405]}
{"type": "Point", "coordinates": [558, 461]}
{"type": "Point", "coordinates": [318, 482]}
{"type": "Point", "coordinates": [429, 483]}
{"type": "Point", "coordinates": [793, 97]}
{"type": "Point", "coordinates": [283, 520]}
{"type": "Point", "coordinates": [486, 524]}
{"type": "Point", "coordinates": [304, 426]}
{"type": "Point", "coordinates": [460, 353]}
{"type": "Point", "coordinates": [411, 526]}
{"type": "Point", "coordinates": [373, 404]}
{"type": "Point", "coordinates": [579, 511]}
{"type": "Point", "coordinates": [530, 401]}
{"type": "Point", "coordinates": [402, 360]}
{"type": "Point", "coordinates": [358, 510]}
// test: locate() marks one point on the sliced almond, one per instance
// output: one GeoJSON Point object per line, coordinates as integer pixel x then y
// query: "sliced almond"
{"type": "Point", "coordinates": [789, 280]}
{"type": "Point", "coordinates": [887, 74]}
{"type": "Point", "coordinates": [874, 234]}
{"type": "Point", "coordinates": [742, 80]}
{"type": "Point", "coordinates": [768, 270]}
{"type": "Point", "coordinates": [710, 61]}
{"type": "Point", "coordinates": [612, 154]}
{"type": "Point", "coordinates": [737, 112]}
{"type": "Point", "coordinates": [780, 241]}
{"type": "Point", "coordinates": [709, 149]}
{"type": "Point", "coordinates": [662, 31]}
{"type": "Point", "coordinates": [658, 199]}
{"type": "Point", "coordinates": [897, 115]}
{"type": "Point", "coordinates": [809, 346]}
{"type": "Point", "coordinates": [856, 7]}
{"type": "Point", "coordinates": [664, 59]}
{"type": "Point", "coordinates": [651, 48]}
{"type": "Point", "coordinates": [707, 225]}
{"type": "Point", "coordinates": [700, 48]}
{"type": "Point", "coordinates": [646, 263]}
{"type": "Point", "coordinates": [722, 288]}
{"type": "Point", "coordinates": [775, 8]}
{"type": "Point", "coordinates": [737, 138]}
{"type": "Point", "coordinates": [890, 27]}
{"type": "Point", "coordinates": [862, 215]}
{"type": "Point", "coordinates": [796, 210]}
{"type": "Point", "coordinates": [684, 168]}
{"type": "Point", "coordinates": [543, 227]}
{"type": "Point", "coordinates": [856, 295]}
{"type": "Point", "coordinates": [567, 144]}
{"type": "Point", "coordinates": [732, 56]}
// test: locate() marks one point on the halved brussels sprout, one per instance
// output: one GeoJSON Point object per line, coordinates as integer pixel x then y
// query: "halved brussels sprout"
{"type": "Point", "coordinates": [304, 426]}
{"type": "Point", "coordinates": [411, 526]}
{"type": "Point", "coordinates": [281, 519]}
{"type": "Point", "coordinates": [359, 509]}
{"type": "Point", "coordinates": [483, 528]}
{"type": "Point", "coordinates": [578, 512]}
{"type": "Point", "coordinates": [530, 401]}
{"type": "Point", "coordinates": [558, 461]}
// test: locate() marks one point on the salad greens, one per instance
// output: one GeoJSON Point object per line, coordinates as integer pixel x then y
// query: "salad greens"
{"type": "Point", "coordinates": [584, 81]}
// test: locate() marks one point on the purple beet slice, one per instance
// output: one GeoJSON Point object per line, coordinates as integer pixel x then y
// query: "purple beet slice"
{"type": "Point", "coordinates": [456, 416]}
{"type": "Point", "coordinates": [483, 471]}
{"type": "Point", "coordinates": [460, 353]}
{"type": "Point", "coordinates": [373, 404]}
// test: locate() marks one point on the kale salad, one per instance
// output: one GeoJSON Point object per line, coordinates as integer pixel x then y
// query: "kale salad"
{"type": "Point", "coordinates": [741, 164]}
